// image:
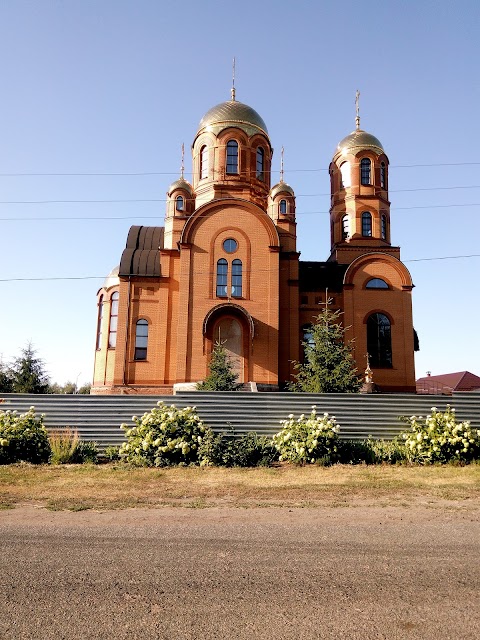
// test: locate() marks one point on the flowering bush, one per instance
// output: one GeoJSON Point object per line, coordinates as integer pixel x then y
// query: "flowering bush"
{"type": "Point", "coordinates": [164, 436]}
{"type": "Point", "coordinates": [308, 439]}
{"type": "Point", "coordinates": [23, 437]}
{"type": "Point", "coordinates": [440, 438]}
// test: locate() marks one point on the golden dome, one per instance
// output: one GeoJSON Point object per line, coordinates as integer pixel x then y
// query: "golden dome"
{"type": "Point", "coordinates": [359, 140]}
{"type": "Point", "coordinates": [281, 187]}
{"type": "Point", "coordinates": [232, 114]}
{"type": "Point", "coordinates": [181, 183]}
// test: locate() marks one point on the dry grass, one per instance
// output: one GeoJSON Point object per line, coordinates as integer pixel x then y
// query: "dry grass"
{"type": "Point", "coordinates": [111, 486]}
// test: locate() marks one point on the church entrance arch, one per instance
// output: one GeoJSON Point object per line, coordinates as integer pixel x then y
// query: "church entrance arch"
{"type": "Point", "coordinates": [231, 326]}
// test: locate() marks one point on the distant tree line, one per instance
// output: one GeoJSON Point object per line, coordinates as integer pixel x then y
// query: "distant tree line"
{"type": "Point", "coordinates": [27, 374]}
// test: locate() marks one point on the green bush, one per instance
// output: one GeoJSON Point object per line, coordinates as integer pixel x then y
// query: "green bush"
{"type": "Point", "coordinates": [86, 452]}
{"type": "Point", "coordinates": [308, 439]}
{"type": "Point", "coordinates": [164, 436]}
{"type": "Point", "coordinates": [229, 450]}
{"type": "Point", "coordinates": [440, 438]}
{"type": "Point", "coordinates": [67, 448]}
{"type": "Point", "coordinates": [370, 451]}
{"type": "Point", "coordinates": [112, 453]}
{"type": "Point", "coordinates": [23, 437]}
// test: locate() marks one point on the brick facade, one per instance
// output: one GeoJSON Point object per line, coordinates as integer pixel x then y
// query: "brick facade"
{"type": "Point", "coordinates": [226, 266]}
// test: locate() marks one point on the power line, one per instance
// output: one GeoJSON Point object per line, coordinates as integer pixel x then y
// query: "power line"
{"type": "Point", "coordinates": [472, 255]}
{"type": "Point", "coordinates": [157, 200]}
{"type": "Point", "coordinates": [144, 217]}
{"type": "Point", "coordinates": [175, 173]}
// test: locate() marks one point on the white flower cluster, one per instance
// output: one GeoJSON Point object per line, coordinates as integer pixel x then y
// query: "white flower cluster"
{"type": "Point", "coordinates": [440, 438]}
{"type": "Point", "coordinates": [164, 435]}
{"type": "Point", "coordinates": [307, 438]}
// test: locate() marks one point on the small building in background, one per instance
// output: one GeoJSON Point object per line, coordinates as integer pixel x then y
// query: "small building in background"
{"type": "Point", "coordinates": [447, 383]}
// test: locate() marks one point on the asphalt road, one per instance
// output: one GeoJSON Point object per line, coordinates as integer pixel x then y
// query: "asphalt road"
{"type": "Point", "coordinates": [359, 572]}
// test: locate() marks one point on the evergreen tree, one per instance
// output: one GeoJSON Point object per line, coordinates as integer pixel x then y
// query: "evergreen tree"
{"type": "Point", "coordinates": [221, 376]}
{"type": "Point", "coordinates": [28, 373]}
{"type": "Point", "coordinates": [6, 383]}
{"type": "Point", "coordinates": [329, 366]}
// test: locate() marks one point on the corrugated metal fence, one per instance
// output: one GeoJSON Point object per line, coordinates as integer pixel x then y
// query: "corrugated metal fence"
{"type": "Point", "coordinates": [98, 418]}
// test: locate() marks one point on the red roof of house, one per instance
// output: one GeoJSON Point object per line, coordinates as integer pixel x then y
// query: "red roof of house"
{"type": "Point", "coordinates": [460, 381]}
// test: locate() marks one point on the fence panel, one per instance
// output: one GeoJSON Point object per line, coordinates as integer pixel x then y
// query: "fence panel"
{"type": "Point", "coordinates": [99, 418]}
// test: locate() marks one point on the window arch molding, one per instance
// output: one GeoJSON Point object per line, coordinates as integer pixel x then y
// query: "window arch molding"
{"type": "Point", "coordinates": [100, 321]}
{"type": "Point", "coordinates": [283, 206]}
{"type": "Point", "coordinates": [179, 203]}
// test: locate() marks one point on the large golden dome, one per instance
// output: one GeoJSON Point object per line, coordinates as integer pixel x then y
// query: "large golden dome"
{"type": "Point", "coordinates": [359, 140]}
{"type": "Point", "coordinates": [232, 114]}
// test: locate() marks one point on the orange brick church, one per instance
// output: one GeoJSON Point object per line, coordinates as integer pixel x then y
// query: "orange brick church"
{"type": "Point", "coordinates": [225, 266]}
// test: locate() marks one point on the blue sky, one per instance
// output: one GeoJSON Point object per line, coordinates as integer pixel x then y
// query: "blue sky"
{"type": "Point", "coordinates": [116, 86]}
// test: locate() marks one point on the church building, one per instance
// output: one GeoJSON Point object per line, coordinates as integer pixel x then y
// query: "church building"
{"type": "Point", "coordinates": [225, 267]}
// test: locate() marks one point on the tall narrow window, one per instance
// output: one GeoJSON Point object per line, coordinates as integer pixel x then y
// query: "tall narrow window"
{"type": "Point", "coordinates": [366, 224]}
{"type": "Point", "coordinates": [232, 156]}
{"type": "Point", "coordinates": [260, 163]}
{"type": "Point", "coordinates": [365, 170]}
{"type": "Point", "coordinates": [282, 206]}
{"type": "Point", "coordinates": [345, 175]}
{"type": "Point", "coordinates": [383, 175]}
{"type": "Point", "coordinates": [222, 276]}
{"type": "Point", "coordinates": [345, 227]}
{"type": "Point", "coordinates": [384, 226]}
{"type": "Point", "coordinates": [100, 323]}
{"type": "Point", "coordinates": [112, 328]}
{"type": "Point", "coordinates": [141, 340]}
{"type": "Point", "coordinates": [379, 340]}
{"type": "Point", "coordinates": [204, 162]}
{"type": "Point", "coordinates": [237, 279]}
{"type": "Point", "coordinates": [179, 204]}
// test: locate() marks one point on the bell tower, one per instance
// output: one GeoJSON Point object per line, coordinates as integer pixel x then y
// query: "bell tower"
{"type": "Point", "coordinates": [360, 208]}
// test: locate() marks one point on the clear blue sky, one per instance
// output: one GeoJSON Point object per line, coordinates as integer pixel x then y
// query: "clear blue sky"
{"type": "Point", "coordinates": [116, 86]}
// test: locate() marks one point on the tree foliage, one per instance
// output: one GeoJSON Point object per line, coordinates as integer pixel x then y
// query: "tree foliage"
{"type": "Point", "coordinates": [221, 376]}
{"type": "Point", "coordinates": [28, 373]}
{"type": "Point", "coordinates": [329, 366]}
{"type": "Point", "coordinates": [6, 382]}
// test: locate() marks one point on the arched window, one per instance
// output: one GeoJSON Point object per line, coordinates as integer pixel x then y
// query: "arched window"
{"type": "Point", "coordinates": [345, 227]}
{"type": "Point", "coordinates": [112, 327]}
{"type": "Point", "coordinates": [376, 283]}
{"type": "Point", "coordinates": [237, 279]}
{"type": "Point", "coordinates": [384, 226]}
{"type": "Point", "coordinates": [141, 340]}
{"type": "Point", "coordinates": [379, 340]}
{"type": "Point", "coordinates": [204, 162]}
{"type": "Point", "coordinates": [383, 175]}
{"type": "Point", "coordinates": [366, 224]}
{"type": "Point", "coordinates": [179, 203]}
{"type": "Point", "coordinates": [345, 180]}
{"type": "Point", "coordinates": [282, 207]}
{"type": "Point", "coordinates": [365, 170]}
{"type": "Point", "coordinates": [100, 323]}
{"type": "Point", "coordinates": [260, 163]}
{"type": "Point", "coordinates": [232, 156]}
{"type": "Point", "coordinates": [222, 276]}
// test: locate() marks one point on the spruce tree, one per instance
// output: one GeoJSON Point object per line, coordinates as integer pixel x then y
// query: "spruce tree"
{"type": "Point", "coordinates": [221, 376]}
{"type": "Point", "coordinates": [329, 366]}
{"type": "Point", "coordinates": [28, 373]}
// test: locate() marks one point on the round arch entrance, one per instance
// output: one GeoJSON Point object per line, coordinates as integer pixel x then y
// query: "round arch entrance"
{"type": "Point", "coordinates": [231, 326]}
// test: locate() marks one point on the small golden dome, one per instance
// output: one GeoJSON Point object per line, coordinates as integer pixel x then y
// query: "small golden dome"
{"type": "Point", "coordinates": [359, 140]}
{"type": "Point", "coordinates": [281, 187]}
{"type": "Point", "coordinates": [181, 183]}
{"type": "Point", "coordinates": [235, 114]}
